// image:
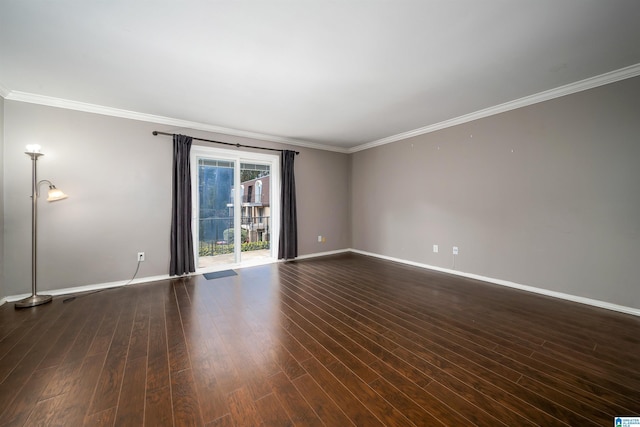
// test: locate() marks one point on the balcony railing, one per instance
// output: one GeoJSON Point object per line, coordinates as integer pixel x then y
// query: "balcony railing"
{"type": "Point", "coordinates": [253, 200]}
{"type": "Point", "coordinates": [255, 222]}
{"type": "Point", "coordinates": [214, 229]}
{"type": "Point", "coordinates": [215, 239]}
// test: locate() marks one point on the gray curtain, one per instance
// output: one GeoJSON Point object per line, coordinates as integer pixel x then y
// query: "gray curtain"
{"type": "Point", "coordinates": [182, 258]}
{"type": "Point", "coordinates": [288, 248]}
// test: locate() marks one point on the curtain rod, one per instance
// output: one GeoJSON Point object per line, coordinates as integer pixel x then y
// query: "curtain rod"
{"type": "Point", "coordinates": [156, 133]}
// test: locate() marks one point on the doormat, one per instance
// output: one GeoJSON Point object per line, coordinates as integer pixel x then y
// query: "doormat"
{"type": "Point", "coordinates": [219, 274]}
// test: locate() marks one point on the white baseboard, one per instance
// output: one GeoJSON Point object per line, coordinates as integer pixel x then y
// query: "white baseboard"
{"type": "Point", "coordinates": [569, 297]}
{"type": "Point", "coordinates": [561, 295]}
{"type": "Point", "coordinates": [88, 288]}
{"type": "Point", "coordinates": [108, 285]}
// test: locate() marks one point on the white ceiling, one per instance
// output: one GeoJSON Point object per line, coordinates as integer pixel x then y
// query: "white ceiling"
{"type": "Point", "coordinates": [344, 74]}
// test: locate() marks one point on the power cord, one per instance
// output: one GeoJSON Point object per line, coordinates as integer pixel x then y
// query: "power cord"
{"type": "Point", "coordinates": [73, 297]}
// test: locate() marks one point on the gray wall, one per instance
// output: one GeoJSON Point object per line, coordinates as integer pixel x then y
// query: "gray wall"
{"type": "Point", "coordinates": [2, 288]}
{"type": "Point", "coordinates": [545, 196]}
{"type": "Point", "coordinates": [118, 177]}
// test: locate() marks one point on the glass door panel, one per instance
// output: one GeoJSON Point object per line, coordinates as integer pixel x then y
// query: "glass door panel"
{"type": "Point", "coordinates": [255, 185]}
{"type": "Point", "coordinates": [216, 223]}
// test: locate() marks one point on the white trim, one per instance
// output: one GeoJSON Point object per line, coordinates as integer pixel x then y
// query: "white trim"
{"type": "Point", "coordinates": [589, 83]}
{"type": "Point", "coordinates": [574, 298]}
{"type": "Point", "coordinates": [94, 287]}
{"type": "Point", "coordinates": [142, 280]}
{"type": "Point", "coordinates": [133, 115]}
{"type": "Point", "coordinates": [561, 295]}
{"type": "Point", "coordinates": [237, 157]}
{"type": "Point", "coordinates": [109, 285]}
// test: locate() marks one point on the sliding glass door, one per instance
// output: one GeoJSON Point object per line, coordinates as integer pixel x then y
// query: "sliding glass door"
{"type": "Point", "coordinates": [236, 207]}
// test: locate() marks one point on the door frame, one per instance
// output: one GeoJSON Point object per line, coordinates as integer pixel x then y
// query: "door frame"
{"type": "Point", "coordinates": [238, 157]}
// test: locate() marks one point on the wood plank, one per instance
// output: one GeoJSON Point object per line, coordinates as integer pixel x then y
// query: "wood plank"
{"type": "Point", "coordinates": [158, 408]}
{"type": "Point", "coordinates": [157, 352]}
{"type": "Point", "coordinates": [23, 327]}
{"type": "Point", "coordinates": [69, 407]}
{"type": "Point", "coordinates": [224, 421]}
{"type": "Point", "coordinates": [25, 399]}
{"type": "Point", "coordinates": [107, 390]}
{"type": "Point", "coordinates": [59, 350]}
{"type": "Point", "coordinates": [186, 408]}
{"type": "Point", "coordinates": [381, 408]}
{"type": "Point", "coordinates": [250, 374]}
{"type": "Point", "coordinates": [36, 352]}
{"type": "Point", "coordinates": [213, 404]}
{"type": "Point", "coordinates": [178, 353]}
{"type": "Point", "coordinates": [104, 334]}
{"type": "Point", "coordinates": [105, 418]}
{"type": "Point", "coordinates": [415, 413]}
{"type": "Point", "coordinates": [132, 394]}
{"type": "Point", "coordinates": [24, 341]}
{"type": "Point", "coordinates": [460, 389]}
{"type": "Point", "coordinates": [335, 343]}
{"type": "Point", "coordinates": [242, 409]}
{"type": "Point", "coordinates": [45, 412]}
{"type": "Point", "coordinates": [271, 412]}
{"type": "Point", "coordinates": [328, 411]}
{"type": "Point", "coordinates": [73, 409]}
{"type": "Point", "coordinates": [293, 402]}
{"type": "Point", "coordinates": [139, 341]}
{"type": "Point", "coordinates": [337, 340]}
{"type": "Point", "coordinates": [351, 405]}
{"type": "Point", "coordinates": [413, 400]}
{"type": "Point", "coordinates": [84, 343]}
{"type": "Point", "coordinates": [202, 339]}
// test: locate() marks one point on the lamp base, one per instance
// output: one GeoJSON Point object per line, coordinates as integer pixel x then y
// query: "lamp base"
{"type": "Point", "coordinates": [33, 300]}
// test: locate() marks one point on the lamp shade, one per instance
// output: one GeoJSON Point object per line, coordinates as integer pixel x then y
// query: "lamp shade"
{"type": "Point", "coordinates": [55, 194]}
{"type": "Point", "coordinates": [33, 149]}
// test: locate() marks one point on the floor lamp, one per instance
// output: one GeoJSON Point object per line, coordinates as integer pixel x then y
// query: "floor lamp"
{"type": "Point", "coordinates": [33, 151]}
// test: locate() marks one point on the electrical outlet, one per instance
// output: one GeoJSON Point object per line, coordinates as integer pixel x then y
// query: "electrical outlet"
{"type": "Point", "coordinates": [140, 256]}
{"type": "Point", "coordinates": [455, 250]}
{"type": "Point", "coordinates": [435, 249]}
{"type": "Point", "coordinates": [324, 239]}
{"type": "Point", "coordinates": [319, 239]}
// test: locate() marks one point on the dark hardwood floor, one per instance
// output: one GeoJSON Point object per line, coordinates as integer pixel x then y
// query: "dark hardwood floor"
{"type": "Point", "coordinates": [335, 341]}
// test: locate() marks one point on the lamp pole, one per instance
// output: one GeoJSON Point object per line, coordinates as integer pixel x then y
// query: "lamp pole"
{"type": "Point", "coordinates": [34, 299]}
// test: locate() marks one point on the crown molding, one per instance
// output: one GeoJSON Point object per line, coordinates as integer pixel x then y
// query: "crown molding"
{"type": "Point", "coordinates": [582, 85]}
{"type": "Point", "coordinates": [133, 115]}
{"type": "Point", "coordinates": [579, 86]}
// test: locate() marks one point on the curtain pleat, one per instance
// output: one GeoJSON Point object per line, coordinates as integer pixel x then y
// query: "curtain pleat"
{"type": "Point", "coordinates": [288, 247]}
{"type": "Point", "coordinates": [182, 257]}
